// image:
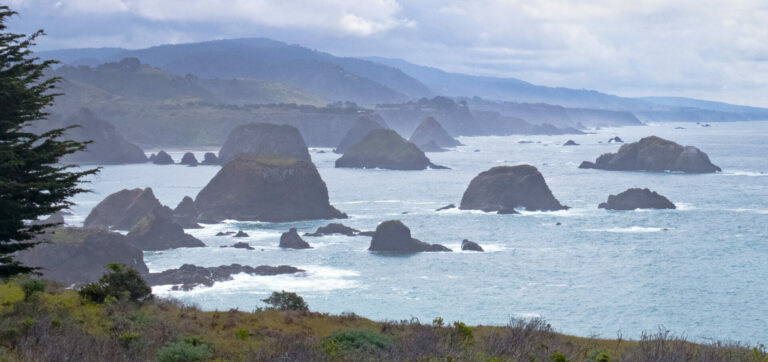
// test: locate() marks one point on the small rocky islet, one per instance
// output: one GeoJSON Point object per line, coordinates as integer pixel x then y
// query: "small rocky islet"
{"type": "Point", "coordinates": [654, 154]}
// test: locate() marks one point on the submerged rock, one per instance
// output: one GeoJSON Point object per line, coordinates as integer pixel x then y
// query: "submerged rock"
{"type": "Point", "coordinates": [265, 140]}
{"type": "Point", "coordinates": [252, 188]}
{"type": "Point", "coordinates": [209, 158]}
{"type": "Point", "coordinates": [384, 149]}
{"type": "Point", "coordinates": [636, 198]}
{"type": "Point", "coordinates": [123, 209]}
{"type": "Point", "coordinates": [224, 233]}
{"type": "Point", "coordinates": [189, 276]}
{"type": "Point", "coordinates": [570, 143]}
{"type": "Point", "coordinates": [334, 228]}
{"type": "Point", "coordinates": [162, 158]}
{"type": "Point", "coordinates": [468, 245]}
{"type": "Point", "coordinates": [242, 245]}
{"type": "Point", "coordinates": [504, 188]}
{"type": "Point", "coordinates": [430, 133]}
{"type": "Point", "coordinates": [157, 231]}
{"type": "Point", "coordinates": [393, 236]}
{"type": "Point", "coordinates": [189, 159]}
{"type": "Point", "coordinates": [446, 207]}
{"type": "Point", "coordinates": [363, 125]}
{"type": "Point", "coordinates": [654, 154]}
{"type": "Point", "coordinates": [291, 240]}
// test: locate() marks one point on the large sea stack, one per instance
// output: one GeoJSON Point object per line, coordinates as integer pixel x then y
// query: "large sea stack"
{"type": "Point", "coordinates": [157, 231]}
{"type": "Point", "coordinates": [384, 148]}
{"type": "Point", "coordinates": [265, 140]}
{"type": "Point", "coordinates": [363, 125]}
{"type": "Point", "coordinates": [637, 199]}
{"type": "Point", "coordinates": [505, 188]}
{"type": "Point", "coordinates": [123, 209]}
{"type": "Point", "coordinates": [394, 237]}
{"type": "Point", "coordinates": [654, 154]}
{"type": "Point", "coordinates": [253, 188]}
{"type": "Point", "coordinates": [430, 134]}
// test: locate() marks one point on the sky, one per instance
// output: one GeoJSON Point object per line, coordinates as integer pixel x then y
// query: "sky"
{"type": "Point", "coordinates": [708, 49]}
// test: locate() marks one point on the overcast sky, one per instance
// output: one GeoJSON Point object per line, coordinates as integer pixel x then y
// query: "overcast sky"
{"type": "Point", "coordinates": [711, 49]}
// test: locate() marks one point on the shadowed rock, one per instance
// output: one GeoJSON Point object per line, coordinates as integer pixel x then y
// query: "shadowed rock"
{"type": "Point", "coordinates": [393, 236]}
{"type": "Point", "coordinates": [157, 231]}
{"type": "Point", "coordinates": [240, 234]}
{"type": "Point", "coordinates": [654, 154]}
{"type": "Point", "coordinates": [616, 139]}
{"type": "Point", "coordinates": [505, 188]}
{"type": "Point", "coordinates": [570, 143]}
{"type": "Point", "coordinates": [334, 228]}
{"type": "Point", "coordinates": [446, 207]}
{"type": "Point", "coordinates": [242, 245]}
{"type": "Point", "coordinates": [189, 276]}
{"type": "Point", "coordinates": [636, 198]}
{"type": "Point", "coordinates": [185, 214]}
{"type": "Point", "coordinates": [122, 209]}
{"type": "Point", "coordinates": [209, 158]}
{"type": "Point", "coordinates": [251, 188]}
{"type": "Point", "coordinates": [363, 125]}
{"type": "Point", "coordinates": [468, 245]}
{"type": "Point", "coordinates": [162, 158]}
{"type": "Point", "coordinates": [265, 140]}
{"type": "Point", "coordinates": [430, 136]}
{"type": "Point", "coordinates": [385, 149]}
{"type": "Point", "coordinates": [291, 240]}
{"type": "Point", "coordinates": [188, 159]}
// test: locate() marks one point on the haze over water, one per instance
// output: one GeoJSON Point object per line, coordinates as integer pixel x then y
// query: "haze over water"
{"type": "Point", "coordinates": [699, 270]}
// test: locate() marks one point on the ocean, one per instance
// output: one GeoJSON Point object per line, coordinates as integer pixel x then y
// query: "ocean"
{"type": "Point", "coordinates": [700, 271]}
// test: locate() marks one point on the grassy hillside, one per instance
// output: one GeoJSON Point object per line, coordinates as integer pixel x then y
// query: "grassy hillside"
{"type": "Point", "coordinates": [57, 325]}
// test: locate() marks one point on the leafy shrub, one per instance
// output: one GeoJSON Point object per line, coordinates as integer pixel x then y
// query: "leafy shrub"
{"type": "Point", "coordinates": [348, 340]}
{"type": "Point", "coordinates": [242, 334]}
{"type": "Point", "coordinates": [601, 355]}
{"type": "Point", "coordinates": [438, 322]}
{"type": "Point", "coordinates": [464, 332]}
{"type": "Point", "coordinates": [119, 282]}
{"type": "Point", "coordinates": [30, 287]}
{"type": "Point", "coordinates": [182, 352]}
{"type": "Point", "coordinates": [128, 339]}
{"type": "Point", "coordinates": [286, 301]}
{"type": "Point", "coordinates": [558, 357]}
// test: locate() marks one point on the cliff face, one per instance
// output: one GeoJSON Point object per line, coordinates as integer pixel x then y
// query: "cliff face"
{"type": "Point", "coordinates": [505, 188]}
{"type": "Point", "coordinates": [265, 140]}
{"type": "Point", "coordinates": [384, 149]}
{"type": "Point", "coordinates": [654, 154]}
{"type": "Point", "coordinates": [266, 189]}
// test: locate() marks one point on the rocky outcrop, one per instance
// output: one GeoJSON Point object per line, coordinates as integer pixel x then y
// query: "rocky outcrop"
{"type": "Point", "coordinates": [385, 149]}
{"type": "Point", "coordinates": [654, 154]}
{"type": "Point", "coordinates": [570, 143]}
{"type": "Point", "coordinates": [363, 125]}
{"type": "Point", "coordinates": [122, 209]}
{"type": "Point", "coordinates": [394, 237]}
{"type": "Point", "coordinates": [505, 188]}
{"type": "Point", "coordinates": [240, 234]}
{"type": "Point", "coordinates": [265, 140]}
{"type": "Point", "coordinates": [210, 158]}
{"type": "Point", "coordinates": [430, 136]}
{"type": "Point", "coordinates": [189, 276]}
{"type": "Point", "coordinates": [616, 139]}
{"type": "Point", "coordinates": [185, 214]}
{"type": "Point", "coordinates": [291, 240]}
{"type": "Point", "coordinates": [334, 228]}
{"type": "Point", "coordinates": [636, 198]}
{"type": "Point", "coordinates": [446, 207]}
{"type": "Point", "coordinates": [251, 188]}
{"type": "Point", "coordinates": [157, 231]}
{"type": "Point", "coordinates": [79, 255]}
{"type": "Point", "coordinates": [161, 158]}
{"type": "Point", "coordinates": [189, 159]}
{"type": "Point", "coordinates": [468, 245]}
{"type": "Point", "coordinates": [242, 245]}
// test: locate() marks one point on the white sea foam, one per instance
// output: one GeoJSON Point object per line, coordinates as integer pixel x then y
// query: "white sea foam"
{"type": "Point", "coordinates": [631, 229]}
{"type": "Point", "coordinates": [755, 211]}
{"type": "Point", "coordinates": [744, 173]}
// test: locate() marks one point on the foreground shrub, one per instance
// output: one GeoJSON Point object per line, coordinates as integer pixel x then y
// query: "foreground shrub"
{"type": "Point", "coordinates": [350, 340]}
{"type": "Point", "coordinates": [183, 352]}
{"type": "Point", "coordinates": [286, 301]}
{"type": "Point", "coordinates": [120, 282]}
{"type": "Point", "coordinates": [30, 287]}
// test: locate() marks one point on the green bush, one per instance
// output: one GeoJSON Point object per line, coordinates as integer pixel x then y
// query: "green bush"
{"type": "Point", "coordinates": [286, 301]}
{"type": "Point", "coordinates": [119, 282]}
{"type": "Point", "coordinates": [558, 357]}
{"type": "Point", "coordinates": [353, 340]}
{"type": "Point", "coordinates": [182, 352]}
{"type": "Point", "coordinates": [464, 332]}
{"type": "Point", "coordinates": [600, 355]}
{"type": "Point", "coordinates": [30, 287]}
{"type": "Point", "coordinates": [242, 334]}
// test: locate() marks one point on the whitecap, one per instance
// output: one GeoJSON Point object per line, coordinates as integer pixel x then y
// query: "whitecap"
{"type": "Point", "coordinates": [744, 173]}
{"type": "Point", "coordinates": [756, 211]}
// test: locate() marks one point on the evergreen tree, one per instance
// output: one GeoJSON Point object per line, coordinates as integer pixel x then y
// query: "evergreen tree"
{"type": "Point", "coordinates": [32, 182]}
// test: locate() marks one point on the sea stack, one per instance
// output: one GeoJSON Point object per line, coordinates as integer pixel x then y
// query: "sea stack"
{"type": "Point", "coordinates": [189, 159]}
{"type": "Point", "coordinates": [362, 126]}
{"type": "Point", "coordinates": [430, 136]}
{"type": "Point", "coordinates": [162, 158]}
{"type": "Point", "coordinates": [291, 240]}
{"type": "Point", "coordinates": [157, 231]}
{"type": "Point", "coordinates": [210, 159]}
{"type": "Point", "coordinates": [394, 237]}
{"type": "Point", "coordinates": [384, 148]}
{"type": "Point", "coordinates": [123, 209]}
{"type": "Point", "coordinates": [265, 140]}
{"type": "Point", "coordinates": [253, 188]}
{"type": "Point", "coordinates": [636, 198]}
{"type": "Point", "coordinates": [505, 188]}
{"type": "Point", "coordinates": [654, 154]}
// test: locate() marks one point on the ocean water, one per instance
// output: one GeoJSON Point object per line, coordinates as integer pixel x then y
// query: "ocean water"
{"type": "Point", "coordinates": [700, 270]}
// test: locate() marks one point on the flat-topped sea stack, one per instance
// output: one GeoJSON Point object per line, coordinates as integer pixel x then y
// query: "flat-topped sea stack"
{"type": "Point", "coordinates": [253, 188]}
{"type": "Point", "coordinates": [265, 140]}
{"type": "Point", "coordinates": [363, 125]}
{"type": "Point", "coordinates": [654, 154]}
{"type": "Point", "coordinates": [505, 188]}
{"type": "Point", "coordinates": [123, 209]}
{"type": "Point", "coordinates": [429, 134]}
{"type": "Point", "coordinates": [636, 198]}
{"type": "Point", "coordinates": [394, 237]}
{"type": "Point", "coordinates": [384, 148]}
{"type": "Point", "coordinates": [157, 231]}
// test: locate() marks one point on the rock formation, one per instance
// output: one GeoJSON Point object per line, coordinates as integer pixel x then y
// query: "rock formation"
{"type": "Point", "coordinates": [468, 245]}
{"type": "Point", "coordinates": [393, 236]}
{"type": "Point", "coordinates": [162, 158]}
{"type": "Point", "coordinates": [654, 154]}
{"type": "Point", "coordinates": [157, 231]}
{"type": "Point", "coordinates": [185, 214]}
{"type": "Point", "coordinates": [291, 240]}
{"type": "Point", "coordinates": [636, 198]}
{"type": "Point", "coordinates": [189, 159]}
{"type": "Point", "coordinates": [430, 136]}
{"type": "Point", "coordinates": [570, 143]}
{"type": "Point", "coordinates": [616, 139]}
{"type": "Point", "coordinates": [242, 245]}
{"type": "Point", "coordinates": [251, 188]}
{"type": "Point", "coordinates": [241, 234]}
{"type": "Point", "coordinates": [504, 188]}
{"type": "Point", "coordinates": [334, 228]}
{"type": "Point", "coordinates": [362, 126]}
{"type": "Point", "coordinates": [122, 209]}
{"type": "Point", "coordinates": [446, 207]}
{"type": "Point", "coordinates": [189, 276]}
{"type": "Point", "coordinates": [385, 149]}
{"type": "Point", "coordinates": [210, 159]}
{"type": "Point", "coordinates": [265, 140]}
